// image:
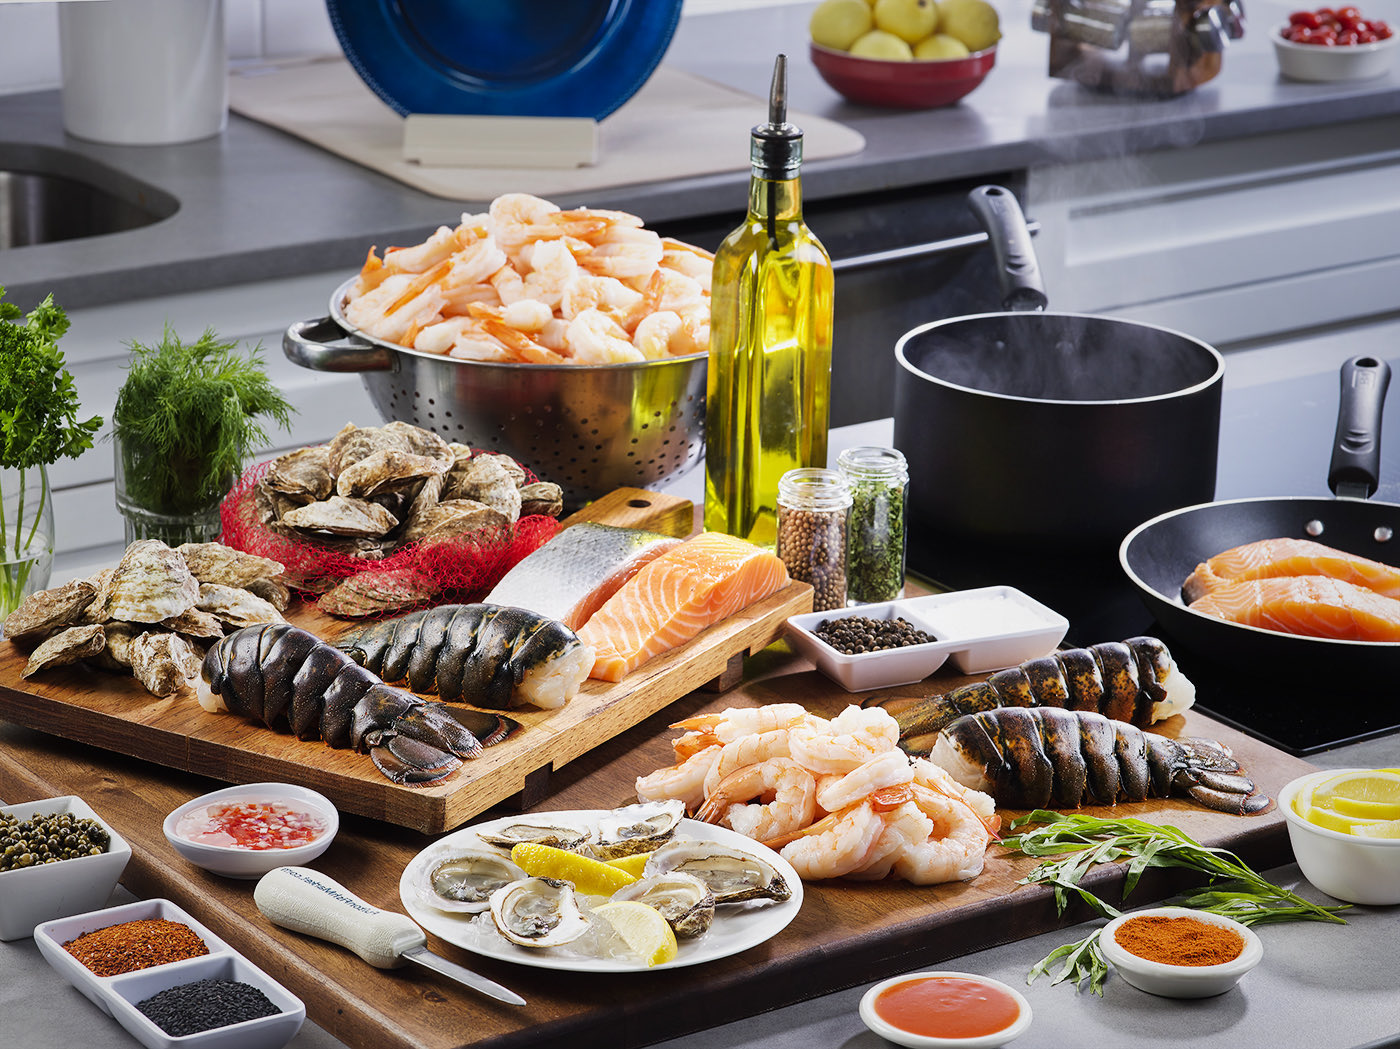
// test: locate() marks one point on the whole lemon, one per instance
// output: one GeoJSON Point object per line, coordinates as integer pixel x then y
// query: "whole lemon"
{"type": "Point", "coordinates": [939, 46]}
{"type": "Point", "coordinates": [879, 44]}
{"type": "Point", "coordinates": [974, 22]}
{"type": "Point", "coordinates": [910, 20]}
{"type": "Point", "coordinates": [839, 23]}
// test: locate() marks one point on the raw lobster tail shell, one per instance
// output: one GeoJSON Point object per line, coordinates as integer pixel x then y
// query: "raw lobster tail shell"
{"type": "Point", "coordinates": [1037, 757]}
{"type": "Point", "coordinates": [292, 681]}
{"type": "Point", "coordinates": [1123, 680]}
{"type": "Point", "coordinates": [495, 656]}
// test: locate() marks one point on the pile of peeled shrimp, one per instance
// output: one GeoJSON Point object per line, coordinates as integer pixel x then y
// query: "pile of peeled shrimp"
{"type": "Point", "coordinates": [528, 282]}
{"type": "Point", "coordinates": [837, 798]}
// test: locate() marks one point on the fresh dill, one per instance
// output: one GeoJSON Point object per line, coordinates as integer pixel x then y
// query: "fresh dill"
{"type": "Point", "coordinates": [187, 417]}
{"type": "Point", "coordinates": [1235, 890]}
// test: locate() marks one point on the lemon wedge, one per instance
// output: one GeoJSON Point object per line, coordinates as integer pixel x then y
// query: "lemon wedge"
{"type": "Point", "coordinates": [1322, 816]}
{"type": "Point", "coordinates": [634, 864]}
{"type": "Point", "coordinates": [642, 928]}
{"type": "Point", "coordinates": [1380, 829]}
{"type": "Point", "coordinates": [1371, 795]}
{"type": "Point", "coordinates": [589, 876]}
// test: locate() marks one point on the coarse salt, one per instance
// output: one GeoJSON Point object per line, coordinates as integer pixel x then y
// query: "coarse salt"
{"type": "Point", "coordinates": [980, 617]}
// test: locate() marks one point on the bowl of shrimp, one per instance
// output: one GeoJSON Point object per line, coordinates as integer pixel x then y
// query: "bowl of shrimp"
{"type": "Point", "coordinates": [574, 341]}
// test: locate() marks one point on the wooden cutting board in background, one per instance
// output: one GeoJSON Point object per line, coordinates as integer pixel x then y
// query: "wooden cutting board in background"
{"type": "Point", "coordinates": [117, 713]}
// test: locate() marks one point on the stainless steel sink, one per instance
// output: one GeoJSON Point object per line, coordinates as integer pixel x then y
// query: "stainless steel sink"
{"type": "Point", "coordinates": [49, 194]}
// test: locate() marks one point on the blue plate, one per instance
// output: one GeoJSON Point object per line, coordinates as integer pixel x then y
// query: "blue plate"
{"type": "Point", "coordinates": [558, 58]}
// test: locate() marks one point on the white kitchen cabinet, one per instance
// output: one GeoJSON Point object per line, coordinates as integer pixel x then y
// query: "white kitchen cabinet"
{"type": "Point", "coordinates": [1232, 241]}
{"type": "Point", "coordinates": [97, 347]}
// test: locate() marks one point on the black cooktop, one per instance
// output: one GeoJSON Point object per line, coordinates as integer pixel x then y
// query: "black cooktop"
{"type": "Point", "coordinates": [1275, 440]}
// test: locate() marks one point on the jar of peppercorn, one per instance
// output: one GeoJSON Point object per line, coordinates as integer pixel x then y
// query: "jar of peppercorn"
{"type": "Point", "coordinates": [879, 480]}
{"type": "Point", "coordinates": [812, 508]}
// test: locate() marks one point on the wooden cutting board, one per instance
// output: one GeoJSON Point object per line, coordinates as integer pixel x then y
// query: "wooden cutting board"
{"type": "Point", "coordinates": [117, 713]}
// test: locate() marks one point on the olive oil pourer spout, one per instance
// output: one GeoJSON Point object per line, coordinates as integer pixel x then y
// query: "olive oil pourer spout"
{"type": "Point", "coordinates": [775, 149]}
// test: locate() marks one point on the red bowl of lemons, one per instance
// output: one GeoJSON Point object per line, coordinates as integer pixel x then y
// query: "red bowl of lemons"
{"type": "Point", "coordinates": [913, 54]}
{"type": "Point", "coordinates": [1344, 826]}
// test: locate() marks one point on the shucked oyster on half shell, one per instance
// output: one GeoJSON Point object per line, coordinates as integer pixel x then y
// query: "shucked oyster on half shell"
{"type": "Point", "coordinates": [637, 828]}
{"type": "Point", "coordinates": [683, 900]}
{"type": "Point", "coordinates": [732, 874]}
{"type": "Point", "coordinates": [538, 912]}
{"type": "Point", "coordinates": [461, 880]}
{"type": "Point", "coordinates": [512, 834]}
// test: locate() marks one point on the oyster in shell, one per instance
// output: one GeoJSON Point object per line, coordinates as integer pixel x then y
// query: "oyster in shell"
{"type": "Point", "coordinates": [512, 834]}
{"type": "Point", "coordinates": [372, 593]}
{"type": "Point", "coordinates": [452, 517]}
{"type": "Point", "coordinates": [637, 828]}
{"type": "Point", "coordinates": [150, 583]}
{"type": "Point", "coordinates": [541, 497]}
{"type": "Point", "coordinates": [195, 623]}
{"type": "Point", "coordinates": [538, 912]}
{"type": "Point", "coordinates": [733, 875]}
{"type": "Point", "coordinates": [303, 476]}
{"type": "Point", "coordinates": [162, 662]}
{"type": "Point", "coordinates": [48, 610]}
{"type": "Point", "coordinates": [461, 880]}
{"type": "Point", "coordinates": [420, 441]}
{"type": "Point", "coordinates": [387, 470]}
{"type": "Point", "coordinates": [69, 646]}
{"type": "Point", "coordinates": [217, 563]}
{"type": "Point", "coordinates": [116, 655]}
{"type": "Point", "coordinates": [485, 479]}
{"type": "Point", "coordinates": [341, 516]}
{"type": "Point", "coordinates": [354, 443]}
{"type": "Point", "coordinates": [273, 591]}
{"type": "Point", "coordinates": [235, 606]}
{"type": "Point", "coordinates": [683, 900]}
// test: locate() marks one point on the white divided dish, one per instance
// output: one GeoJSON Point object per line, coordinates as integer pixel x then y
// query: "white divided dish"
{"type": "Point", "coordinates": [978, 630]}
{"type": "Point", "coordinates": [30, 895]}
{"type": "Point", "coordinates": [118, 996]}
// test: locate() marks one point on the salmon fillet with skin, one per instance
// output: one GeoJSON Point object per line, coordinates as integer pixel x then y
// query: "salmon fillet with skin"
{"type": "Point", "coordinates": [1289, 557]}
{"type": "Point", "coordinates": [1311, 606]}
{"type": "Point", "coordinates": [674, 597]}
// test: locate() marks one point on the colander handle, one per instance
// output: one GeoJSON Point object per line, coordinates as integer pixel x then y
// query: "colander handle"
{"type": "Point", "coordinates": [324, 346]}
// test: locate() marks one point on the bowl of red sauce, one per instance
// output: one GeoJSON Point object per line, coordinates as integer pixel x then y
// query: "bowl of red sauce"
{"type": "Point", "coordinates": [246, 831]}
{"type": "Point", "coordinates": [945, 1010]}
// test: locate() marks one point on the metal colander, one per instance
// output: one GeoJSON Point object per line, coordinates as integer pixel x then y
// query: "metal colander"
{"type": "Point", "coordinates": [589, 428]}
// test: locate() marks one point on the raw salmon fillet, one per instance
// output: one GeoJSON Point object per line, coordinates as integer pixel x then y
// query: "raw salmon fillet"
{"type": "Point", "coordinates": [1314, 606]}
{"type": "Point", "coordinates": [574, 574]}
{"type": "Point", "coordinates": [1289, 557]}
{"type": "Point", "coordinates": [676, 596]}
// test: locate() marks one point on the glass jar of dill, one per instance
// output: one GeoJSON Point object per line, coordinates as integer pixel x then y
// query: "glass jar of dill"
{"type": "Point", "coordinates": [879, 481]}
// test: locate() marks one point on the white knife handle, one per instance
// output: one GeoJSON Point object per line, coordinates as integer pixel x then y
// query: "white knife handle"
{"type": "Point", "coordinates": [307, 901]}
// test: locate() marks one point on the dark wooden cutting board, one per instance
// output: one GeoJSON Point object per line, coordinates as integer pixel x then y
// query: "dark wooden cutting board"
{"type": "Point", "coordinates": [117, 713]}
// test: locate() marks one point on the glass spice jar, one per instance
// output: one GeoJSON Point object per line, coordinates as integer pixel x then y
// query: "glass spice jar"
{"type": "Point", "coordinates": [812, 509]}
{"type": "Point", "coordinates": [879, 481]}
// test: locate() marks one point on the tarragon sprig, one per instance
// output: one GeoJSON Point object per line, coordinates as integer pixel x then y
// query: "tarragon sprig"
{"type": "Point", "coordinates": [1236, 890]}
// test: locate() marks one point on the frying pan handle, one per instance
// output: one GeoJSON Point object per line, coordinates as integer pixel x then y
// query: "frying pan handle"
{"type": "Point", "coordinates": [324, 346]}
{"type": "Point", "coordinates": [1356, 449]}
{"type": "Point", "coordinates": [1021, 285]}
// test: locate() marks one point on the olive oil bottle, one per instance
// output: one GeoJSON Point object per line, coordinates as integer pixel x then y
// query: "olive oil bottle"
{"type": "Point", "coordinates": [769, 383]}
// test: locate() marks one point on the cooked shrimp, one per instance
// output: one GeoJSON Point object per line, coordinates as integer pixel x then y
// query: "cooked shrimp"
{"type": "Point", "coordinates": [694, 336]}
{"type": "Point", "coordinates": [457, 301]}
{"type": "Point", "coordinates": [684, 781]}
{"type": "Point", "coordinates": [520, 219]}
{"type": "Point", "coordinates": [835, 845]}
{"type": "Point", "coordinates": [888, 769]}
{"type": "Point", "coordinates": [595, 338]}
{"type": "Point", "coordinates": [525, 315]}
{"type": "Point", "coordinates": [935, 777]}
{"type": "Point", "coordinates": [728, 725]}
{"type": "Point", "coordinates": [624, 251]}
{"type": "Point", "coordinates": [654, 334]}
{"type": "Point", "coordinates": [696, 263]}
{"type": "Point", "coordinates": [785, 794]}
{"type": "Point", "coordinates": [747, 750]}
{"type": "Point", "coordinates": [607, 294]}
{"type": "Point", "coordinates": [371, 274]}
{"type": "Point", "coordinates": [509, 284]}
{"type": "Point", "coordinates": [905, 826]}
{"type": "Point", "coordinates": [440, 337]}
{"type": "Point", "coordinates": [475, 343]}
{"type": "Point", "coordinates": [954, 851]}
{"type": "Point", "coordinates": [475, 261]}
{"type": "Point", "coordinates": [552, 270]}
{"type": "Point", "coordinates": [553, 336]}
{"type": "Point", "coordinates": [422, 257]}
{"type": "Point", "coordinates": [851, 738]}
{"type": "Point", "coordinates": [400, 304]}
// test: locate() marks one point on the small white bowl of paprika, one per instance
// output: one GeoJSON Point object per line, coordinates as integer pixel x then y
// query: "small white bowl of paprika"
{"type": "Point", "coordinates": [246, 831]}
{"type": "Point", "coordinates": [945, 1010]}
{"type": "Point", "coordinates": [1176, 952]}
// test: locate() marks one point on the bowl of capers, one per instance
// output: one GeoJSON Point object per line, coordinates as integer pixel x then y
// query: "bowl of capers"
{"type": "Point", "coordinates": [57, 858]}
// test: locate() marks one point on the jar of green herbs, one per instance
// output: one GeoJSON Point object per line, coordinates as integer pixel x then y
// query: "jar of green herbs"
{"type": "Point", "coordinates": [879, 481]}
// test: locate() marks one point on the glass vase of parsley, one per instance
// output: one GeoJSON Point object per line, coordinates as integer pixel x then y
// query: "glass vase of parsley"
{"type": "Point", "coordinates": [186, 420]}
{"type": "Point", "coordinates": [38, 426]}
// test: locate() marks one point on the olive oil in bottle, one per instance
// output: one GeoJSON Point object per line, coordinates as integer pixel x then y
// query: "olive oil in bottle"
{"type": "Point", "coordinates": [769, 383]}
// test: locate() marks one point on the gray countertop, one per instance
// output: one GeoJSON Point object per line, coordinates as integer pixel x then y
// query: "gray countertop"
{"type": "Point", "coordinates": [257, 204]}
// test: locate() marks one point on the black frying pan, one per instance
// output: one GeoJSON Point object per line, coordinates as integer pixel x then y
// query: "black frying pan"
{"type": "Point", "coordinates": [1159, 554]}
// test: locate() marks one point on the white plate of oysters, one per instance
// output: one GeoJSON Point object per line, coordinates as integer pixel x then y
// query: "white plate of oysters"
{"type": "Point", "coordinates": [464, 889]}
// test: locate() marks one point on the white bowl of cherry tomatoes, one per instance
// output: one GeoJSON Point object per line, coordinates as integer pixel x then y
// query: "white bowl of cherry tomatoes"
{"type": "Point", "coordinates": [1334, 44]}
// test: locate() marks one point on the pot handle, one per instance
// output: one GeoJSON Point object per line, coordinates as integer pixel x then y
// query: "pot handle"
{"type": "Point", "coordinates": [324, 346]}
{"type": "Point", "coordinates": [1356, 449]}
{"type": "Point", "coordinates": [1021, 285]}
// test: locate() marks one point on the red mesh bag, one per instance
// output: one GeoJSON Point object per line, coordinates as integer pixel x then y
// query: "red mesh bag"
{"type": "Point", "coordinates": [461, 567]}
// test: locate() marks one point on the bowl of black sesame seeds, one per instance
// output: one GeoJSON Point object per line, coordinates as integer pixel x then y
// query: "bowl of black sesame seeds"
{"type": "Point", "coordinates": [868, 646]}
{"type": "Point", "coordinates": [57, 858]}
